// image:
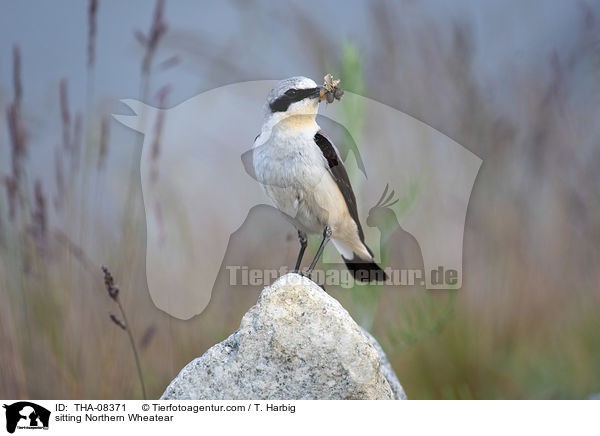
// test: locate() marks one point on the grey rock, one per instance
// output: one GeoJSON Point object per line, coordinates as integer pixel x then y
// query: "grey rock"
{"type": "Point", "coordinates": [386, 368]}
{"type": "Point", "coordinates": [297, 342]}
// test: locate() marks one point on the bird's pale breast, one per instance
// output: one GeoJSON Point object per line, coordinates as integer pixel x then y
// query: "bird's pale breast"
{"type": "Point", "coordinates": [295, 176]}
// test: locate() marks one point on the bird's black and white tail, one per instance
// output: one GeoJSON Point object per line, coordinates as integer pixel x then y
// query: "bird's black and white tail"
{"type": "Point", "coordinates": [364, 270]}
{"type": "Point", "coordinates": [362, 266]}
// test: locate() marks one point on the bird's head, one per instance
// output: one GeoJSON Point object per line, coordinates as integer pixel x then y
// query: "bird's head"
{"type": "Point", "coordinates": [296, 96]}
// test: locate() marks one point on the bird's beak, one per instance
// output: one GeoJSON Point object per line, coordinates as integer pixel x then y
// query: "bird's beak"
{"type": "Point", "coordinates": [322, 93]}
{"type": "Point", "coordinates": [318, 92]}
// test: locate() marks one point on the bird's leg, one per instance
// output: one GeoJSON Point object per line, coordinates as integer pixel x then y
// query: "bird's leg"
{"type": "Point", "coordinates": [303, 244]}
{"type": "Point", "coordinates": [326, 238]}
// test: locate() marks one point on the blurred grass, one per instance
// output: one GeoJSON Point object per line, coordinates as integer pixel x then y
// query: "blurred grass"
{"type": "Point", "coordinates": [524, 325]}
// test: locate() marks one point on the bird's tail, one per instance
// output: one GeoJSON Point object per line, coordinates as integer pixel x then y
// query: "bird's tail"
{"type": "Point", "coordinates": [365, 270]}
{"type": "Point", "coordinates": [361, 265]}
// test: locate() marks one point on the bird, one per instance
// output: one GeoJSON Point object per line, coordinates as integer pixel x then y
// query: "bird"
{"type": "Point", "coordinates": [302, 173]}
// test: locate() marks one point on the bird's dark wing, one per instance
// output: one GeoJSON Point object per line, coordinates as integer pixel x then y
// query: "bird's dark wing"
{"type": "Point", "coordinates": [337, 170]}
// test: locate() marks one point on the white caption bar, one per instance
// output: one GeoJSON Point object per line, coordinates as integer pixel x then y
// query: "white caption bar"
{"type": "Point", "coordinates": [298, 417]}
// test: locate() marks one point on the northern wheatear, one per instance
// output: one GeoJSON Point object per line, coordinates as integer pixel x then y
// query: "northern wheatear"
{"type": "Point", "coordinates": [302, 173]}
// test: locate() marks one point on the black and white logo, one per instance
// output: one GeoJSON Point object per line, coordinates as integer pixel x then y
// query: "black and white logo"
{"type": "Point", "coordinates": [26, 415]}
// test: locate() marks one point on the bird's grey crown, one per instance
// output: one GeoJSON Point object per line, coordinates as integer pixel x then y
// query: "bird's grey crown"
{"type": "Point", "coordinates": [297, 82]}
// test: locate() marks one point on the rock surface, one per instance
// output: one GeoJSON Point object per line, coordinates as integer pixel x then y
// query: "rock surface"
{"type": "Point", "coordinates": [297, 342]}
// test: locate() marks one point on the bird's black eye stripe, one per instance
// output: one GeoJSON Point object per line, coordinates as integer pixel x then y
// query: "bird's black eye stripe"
{"type": "Point", "coordinates": [283, 102]}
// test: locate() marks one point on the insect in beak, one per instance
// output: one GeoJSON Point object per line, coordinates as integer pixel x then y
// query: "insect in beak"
{"type": "Point", "coordinates": [322, 94]}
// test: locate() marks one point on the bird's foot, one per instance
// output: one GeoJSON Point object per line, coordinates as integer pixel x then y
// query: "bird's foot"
{"type": "Point", "coordinates": [305, 273]}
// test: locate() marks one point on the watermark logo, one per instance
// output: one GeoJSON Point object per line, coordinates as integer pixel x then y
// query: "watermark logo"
{"type": "Point", "coordinates": [26, 415]}
{"type": "Point", "coordinates": [411, 181]}
{"type": "Point", "coordinates": [241, 275]}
